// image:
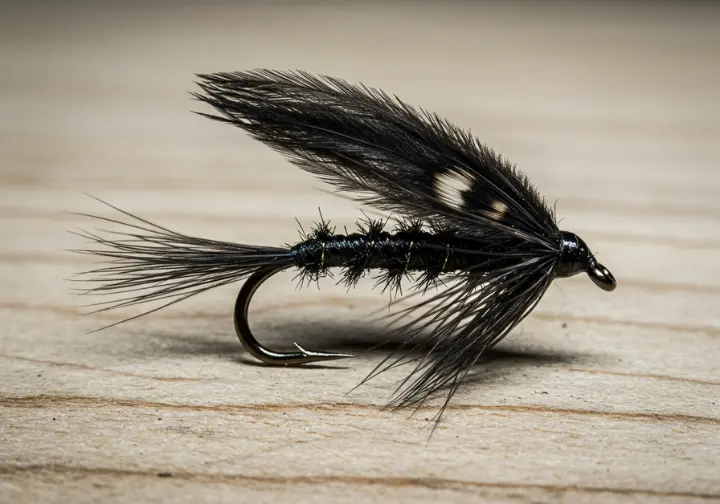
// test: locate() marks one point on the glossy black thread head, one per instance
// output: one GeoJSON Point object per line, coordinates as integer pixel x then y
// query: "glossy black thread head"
{"type": "Point", "coordinates": [575, 257]}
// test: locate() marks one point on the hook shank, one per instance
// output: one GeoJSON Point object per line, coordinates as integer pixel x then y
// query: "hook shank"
{"type": "Point", "coordinates": [254, 348]}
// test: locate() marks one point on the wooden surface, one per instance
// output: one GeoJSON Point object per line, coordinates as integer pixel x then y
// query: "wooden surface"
{"type": "Point", "coordinates": [614, 112]}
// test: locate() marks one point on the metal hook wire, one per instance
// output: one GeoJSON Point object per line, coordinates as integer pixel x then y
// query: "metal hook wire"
{"type": "Point", "coordinates": [240, 316]}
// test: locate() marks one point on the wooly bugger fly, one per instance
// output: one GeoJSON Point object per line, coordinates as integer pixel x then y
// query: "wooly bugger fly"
{"type": "Point", "coordinates": [469, 226]}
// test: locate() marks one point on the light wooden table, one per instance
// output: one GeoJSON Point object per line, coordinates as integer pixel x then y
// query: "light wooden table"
{"type": "Point", "coordinates": [600, 397]}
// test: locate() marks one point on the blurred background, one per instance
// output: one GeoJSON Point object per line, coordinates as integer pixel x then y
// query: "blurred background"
{"type": "Point", "coordinates": [611, 108]}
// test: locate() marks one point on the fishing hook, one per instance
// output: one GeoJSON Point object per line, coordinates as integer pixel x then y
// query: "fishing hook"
{"type": "Point", "coordinates": [240, 316]}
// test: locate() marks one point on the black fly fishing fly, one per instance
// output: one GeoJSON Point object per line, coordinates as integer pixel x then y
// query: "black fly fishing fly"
{"type": "Point", "coordinates": [470, 226]}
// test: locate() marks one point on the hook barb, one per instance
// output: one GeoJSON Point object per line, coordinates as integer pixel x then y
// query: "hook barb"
{"type": "Point", "coordinates": [254, 348]}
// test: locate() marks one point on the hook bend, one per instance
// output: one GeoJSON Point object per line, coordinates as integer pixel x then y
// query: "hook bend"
{"type": "Point", "coordinates": [253, 346]}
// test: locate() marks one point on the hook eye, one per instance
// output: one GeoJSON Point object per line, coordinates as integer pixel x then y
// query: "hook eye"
{"type": "Point", "coordinates": [602, 277]}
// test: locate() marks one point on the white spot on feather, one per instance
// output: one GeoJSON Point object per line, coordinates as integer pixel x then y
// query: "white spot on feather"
{"type": "Point", "coordinates": [450, 186]}
{"type": "Point", "coordinates": [499, 210]}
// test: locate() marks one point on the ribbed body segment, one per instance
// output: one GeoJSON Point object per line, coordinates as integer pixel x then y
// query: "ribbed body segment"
{"type": "Point", "coordinates": [398, 253]}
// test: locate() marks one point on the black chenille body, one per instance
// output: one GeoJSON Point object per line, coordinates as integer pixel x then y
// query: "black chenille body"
{"type": "Point", "coordinates": [396, 252]}
{"type": "Point", "coordinates": [409, 249]}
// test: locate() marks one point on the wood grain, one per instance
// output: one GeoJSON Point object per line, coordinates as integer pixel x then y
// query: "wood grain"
{"type": "Point", "coordinates": [612, 110]}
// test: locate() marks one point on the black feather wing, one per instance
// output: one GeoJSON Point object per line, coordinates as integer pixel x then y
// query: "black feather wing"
{"type": "Point", "coordinates": [387, 153]}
